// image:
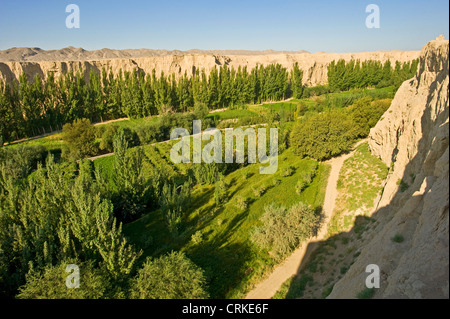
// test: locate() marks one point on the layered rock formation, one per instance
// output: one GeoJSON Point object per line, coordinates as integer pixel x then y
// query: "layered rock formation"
{"type": "Point", "coordinates": [313, 65]}
{"type": "Point", "coordinates": [412, 138]}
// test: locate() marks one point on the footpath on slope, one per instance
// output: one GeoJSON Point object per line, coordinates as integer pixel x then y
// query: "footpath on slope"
{"type": "Point", "coordinates": [267, 288]}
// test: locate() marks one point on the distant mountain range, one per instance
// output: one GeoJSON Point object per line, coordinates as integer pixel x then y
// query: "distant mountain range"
{"type": "Point", "coordinates": [79, 54]}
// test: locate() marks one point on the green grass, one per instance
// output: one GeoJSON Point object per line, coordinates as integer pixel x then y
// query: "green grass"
{"type": "Point", "coordinates": [366, 293]}
{"type": "Point", "coordinates": [51, 143]}
{"type": "Point", "coordinates": [287, 106]}
{"type": "Point", "coordinates": [360, 181]}
{"type": "Point", "coordinates": [231, 114]}
{"type": "Point", "coordinates": [132, 123]}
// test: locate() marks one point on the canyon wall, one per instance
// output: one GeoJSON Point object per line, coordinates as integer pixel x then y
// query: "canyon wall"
{"type": "Point", "coordinates": [412, 138]}
{"type": "Point", "coordinates": [314, 65]}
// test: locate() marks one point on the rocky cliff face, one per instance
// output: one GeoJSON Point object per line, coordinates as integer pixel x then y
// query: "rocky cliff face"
{"type": "Point", "coordinates": [313, 65]}
{"type": "Point", "coordinates": [413, 139]}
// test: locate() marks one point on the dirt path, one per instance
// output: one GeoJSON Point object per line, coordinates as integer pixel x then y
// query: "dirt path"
{"type": "Point", "coordinates": [269, 286]}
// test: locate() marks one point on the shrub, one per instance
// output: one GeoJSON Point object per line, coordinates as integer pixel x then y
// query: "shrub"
{"type": "Point", "coordinates": [306, 179]}
{"type": "Point", "coordinates": [200, 110]}
{"type": "Point", "coordinates": [240, 203]}
{"type": "Point", "coordinates": [282, 231]}
{"type": "Point", "coordinates": [403, 185]}
{"type": "Point", "coordinates": [398, 238]}
{"type": "Point", "coordinates": [197, 237]}
{"type": "Point", "coordinates": [220, 191]}
{"type": "Point", "coordinates": [18, 162]}
{"type": "Point", "coordinates": [365, 113]}
{"type": "Point", "coordinates": [173, 276]}
{"type": "Point", "coordinates": [172, 202]}
{"type": "Point", "coordinates": [259, 191]}
{"type": "Point", "coordinates": [301, 185]}
{"type": "Point", "coordinates": [288, 171]}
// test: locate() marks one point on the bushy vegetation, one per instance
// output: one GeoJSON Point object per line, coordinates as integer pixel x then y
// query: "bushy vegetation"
{"type": "Point", "coordinates": [343, 75]}
{"type": "Point", "coordinates": [50, 283]}
{"type": "Point", "coordinates": [327, 134]}
{"type": "Point", "coordinates": [283, 230]}
{"type": "Point", "coordinates": [178, 218]}
{"type": "Point", "coordinates": [21, 160]}
{"type": "Point", "coordinates": [323, 135]}
{"type": "Point", "coordinates": [169, 277]}
{"type": "Point", "coordinates": [55, 216]}
{"type": "Point", "coordinates": [32, 108]}
{"type": "Point", "coordinates": [306, 179]}
{"type": "Point", "coordinates": [79, 138]}
{"type": "Point", "coordinates": [360, 182]}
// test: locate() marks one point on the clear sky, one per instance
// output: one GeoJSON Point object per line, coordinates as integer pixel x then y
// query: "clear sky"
{"type": "Point", "coordinates": [321, 25]}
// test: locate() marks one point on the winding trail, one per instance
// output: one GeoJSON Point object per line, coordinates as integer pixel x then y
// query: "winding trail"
{"type": "Point", "coordinates": [267, 288]}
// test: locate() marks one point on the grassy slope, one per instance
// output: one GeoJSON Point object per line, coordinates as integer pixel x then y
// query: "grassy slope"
{"type": "Point", "coordinates": [360, 181]}
{"type": "Point", "coordinates": [230, 260]}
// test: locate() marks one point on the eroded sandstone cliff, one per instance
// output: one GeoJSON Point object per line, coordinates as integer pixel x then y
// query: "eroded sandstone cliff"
{"type": "Point", "coordinates": [313, 65]}
{"type": "Point", "coordinates": [412, 138]}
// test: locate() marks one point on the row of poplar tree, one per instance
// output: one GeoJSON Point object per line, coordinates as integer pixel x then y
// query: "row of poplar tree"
{"type": "Point", "coordinates": [343, 76]}
{"type": "Point", "coordinates": [33, 108]}
{"type": "Point", "coordinates": [36, 107]}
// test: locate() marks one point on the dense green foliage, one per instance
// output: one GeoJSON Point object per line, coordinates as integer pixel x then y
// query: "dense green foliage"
{"type": "Point", "coordinates": [67, 213]}
{"type": "Point", "coordinates": [282, 231]}
{"type": "Point", "coordinates": [169, 277]}
{"type": "Point", "coordinates": [21, 160]}
{"type": "Point", "coordinates": [53, 216]}
{"type": "Point", "coordinates": [343, 76]}
{"type": "Point", "coordinates": [327, 134]}
{"type": "Point", "coordinates": [323, 135]}
{"type": "Point", "coordinates": [79, 138]}
{"type": "Point", "coordinates": [50, 283]}
{"type": "Point", "coordinates": [212, 215]}
{"type": "Point", "coordinates": [32, 108]}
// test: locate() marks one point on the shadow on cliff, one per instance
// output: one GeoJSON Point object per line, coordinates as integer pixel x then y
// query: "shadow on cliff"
{"type": "Point", "coordinates": [408, 184]}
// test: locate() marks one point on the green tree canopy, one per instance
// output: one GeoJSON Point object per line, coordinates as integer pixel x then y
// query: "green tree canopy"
{"type": "Point", "coordinates": [79, 138]}
{"type": "Point", "coordinates": [50, 283]}
{"type": "Point", "coordinates": [173, 276]}
{"type": "Point", "coordinates": [323, 135]}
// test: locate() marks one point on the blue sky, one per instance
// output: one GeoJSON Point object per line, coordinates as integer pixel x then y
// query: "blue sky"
{"type": "Point", "coordinates": [321, 25]}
